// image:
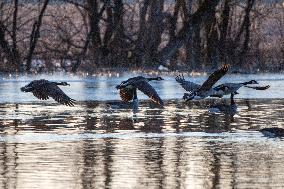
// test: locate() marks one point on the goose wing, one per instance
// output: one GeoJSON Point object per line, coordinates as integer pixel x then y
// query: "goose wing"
{"type": "Point", "coordinates": [214, 77]}
{"type": "Point", "coordinates": [53, 91]}
{"type": "Point", "coordinates": [126, 94]}
{"type": "Point", "coordinates": [148, 90]}
{"type": "Point", "coordinates": [130, 81]}
{"type": "Point", "coordinates": [258, 87]}
{"type": "Point", "coordinates": [187, 85]}
{"type": "Point", "coordinates": [40, 94]}
{"type": "Point", "coordinates": [39, 89]}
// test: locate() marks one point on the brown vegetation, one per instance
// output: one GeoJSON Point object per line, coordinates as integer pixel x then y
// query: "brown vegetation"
{"type": "Point", "coordinates": [183, 34]}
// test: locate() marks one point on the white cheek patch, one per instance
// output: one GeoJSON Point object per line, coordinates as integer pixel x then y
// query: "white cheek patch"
{"type": "Point", "coordinates": [197, 98]}
{"type": "Point", "coordinates": [214, 110]}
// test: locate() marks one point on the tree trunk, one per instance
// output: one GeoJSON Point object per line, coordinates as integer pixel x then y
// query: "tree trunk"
{"type": "Point", "coordinates": [194, 21]}
{"type": "Point", "coordinates": [154, 31]}
{"type": "Point", "coordinates": [35, 35]}
{"type": "Point", "coordinates": [246, 26]}
{"type": "Point", "coordinates": [12, 55]}
{"type": "Point", "coordinates": [93, 39]}
{"type": "Point", "coordinates": [222, 46]}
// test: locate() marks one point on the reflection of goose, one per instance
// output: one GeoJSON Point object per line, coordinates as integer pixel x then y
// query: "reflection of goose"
{"type": "Point", "coordinates": [202, 91]}
{"type": "Point", "coordinates": [128, 90]}
{"type": "Point", "coordinates": [43, 89]}
{"type": "Point", "coordinates": [273, 132]}
{"type": "Point", "coordinates": [224, 108]}
{"type": "Point", "coordinates": [228, 88]}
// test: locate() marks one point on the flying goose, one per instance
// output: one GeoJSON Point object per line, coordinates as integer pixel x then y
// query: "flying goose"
{"type": "Point", "coordinates": [273, 132]}
{"type": "Point", "coordinates": [228, 88]}
{"type": "Point", "coordinates": [224, 108]}
{"type": "Point", "coordinates": [202, 91]}
{"type": "Point", "coordinates": [128, 90]}
{"type": "Point", "coordinates": [43, 89]}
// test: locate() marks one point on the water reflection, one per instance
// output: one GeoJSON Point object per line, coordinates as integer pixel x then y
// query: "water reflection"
{"type": "Point", "coordinates": [180, 146]}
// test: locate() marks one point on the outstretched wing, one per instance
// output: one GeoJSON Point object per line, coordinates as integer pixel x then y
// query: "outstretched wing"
{"type": "Point", "coordinates": [148, 90]}
{"type": "Point", "coordinates": [258, 87]}
{"type": "Point", "coordinates": [129, 81]}
{"type": "Point", "coordinates": [58, 95]}
{"type": "Point", "coordinates": [214, 77]}
{"type": "Point", "coordinates": [126, 94]}
{"type": "Point", "coordinates": [40, 94]}
{"type": "Point", "coordinates": [39, 89]}
{"type": "Point", "coordinates": [187, 85]}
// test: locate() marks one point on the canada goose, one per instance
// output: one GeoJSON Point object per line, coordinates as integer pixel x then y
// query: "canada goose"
{"type": "Point", "coordinates": [273, 132]}
{"type": "Point", "coordinates": [228, 88]}
{"type": "Point", "coordinates": [224, 108]}
{"type": "Point", "coordinates": [202, 91]}
{"type": "Point", "coordinates": [128, 90]}
{"type": "Point", "coordinates": [43, 89]}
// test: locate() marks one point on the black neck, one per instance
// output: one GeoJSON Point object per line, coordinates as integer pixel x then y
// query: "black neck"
{"type": "Point", "coordinates": [152, 78]}
{"type": "Point", "coordinates": [232, 99]}
{"type": "Point", "coordinates": [135, 94]}
{"type": "Point", "coordinates": [58, 83]}
{"type": "Point", "coordinates": [246, 83]}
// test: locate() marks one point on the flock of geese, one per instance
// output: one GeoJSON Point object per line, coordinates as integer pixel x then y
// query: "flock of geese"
{"type": "Point", "coordinates": [44, 89]}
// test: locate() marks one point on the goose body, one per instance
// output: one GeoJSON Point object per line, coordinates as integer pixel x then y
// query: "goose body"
{"type": "Point", "coordinates": [128, 90]}
{"type": "Point", "coordinates": [224, 108]}
{"type": "Point", "coordinates": [197, 91]}
{"type": "Point", "coordinates": [228, 88]}
{"type": "Point", "coordinates": [43, 89]}
{"type": "Point", "coordinates": [273, 132]}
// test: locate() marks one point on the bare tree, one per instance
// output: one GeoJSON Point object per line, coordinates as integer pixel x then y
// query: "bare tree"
{"type": "Point", "coordinates": [35, 34]}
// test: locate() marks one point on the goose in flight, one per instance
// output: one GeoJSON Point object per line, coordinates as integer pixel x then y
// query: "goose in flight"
{"type": "Point", "coordinates": [128, 90]}
{"type": "Point", "coordinates": [229, 88]}
{"type": "Point", "coordinates": [202, 91]}
{"type": "Point", "coordinates": [43, 89]}
{"type": "Point", "coordinates": [225, 108]}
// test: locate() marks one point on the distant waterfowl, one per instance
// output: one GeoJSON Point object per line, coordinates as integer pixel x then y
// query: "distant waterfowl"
{"type": "Point", "coordinates": [202, 91]}
{"type": "Point", "coordinates": [128, 90]}
{"type": "Point", "coordinates": [43, 89]}
{"type": "Point", "coordinates": [225, 108]}
{"type": "Point", "coordinates": [228, 88]}
{"type": "Point", "coordinates": [273, 132]}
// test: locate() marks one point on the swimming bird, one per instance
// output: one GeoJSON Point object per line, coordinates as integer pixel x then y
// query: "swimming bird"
{"type": "Point", "coordinates": [202, 91]}
{"type": "Point", "coordinates": [225, 108]}
{"type": "Point", "coordinates": [128, 90]}
{"type": "Point", "coordinates": [273, 132]}
{"type": "Point", "coordinates": [43, 89]}
{"type": "Point", "coordinates": [228, 88]}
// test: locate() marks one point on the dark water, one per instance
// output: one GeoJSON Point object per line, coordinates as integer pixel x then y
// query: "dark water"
{"type": "Point", "coordinates": [94, 145]}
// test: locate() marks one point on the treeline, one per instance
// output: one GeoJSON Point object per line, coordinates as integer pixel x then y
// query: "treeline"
{"type": "Point", "coordinates": [85, 35]}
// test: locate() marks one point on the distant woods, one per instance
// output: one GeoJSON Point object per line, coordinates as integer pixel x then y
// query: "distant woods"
{"type": "Point", "coordinates": [73, 35]}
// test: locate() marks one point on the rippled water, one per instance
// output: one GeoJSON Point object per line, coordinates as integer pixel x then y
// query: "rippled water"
{"type": "Point", "coordinates": [94, 145]}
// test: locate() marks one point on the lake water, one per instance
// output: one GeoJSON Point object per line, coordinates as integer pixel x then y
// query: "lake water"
{"type": "Point", "coordinates": [93, 145]}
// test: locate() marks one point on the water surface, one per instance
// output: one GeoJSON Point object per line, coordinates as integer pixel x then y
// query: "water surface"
{"type": "Point", "coordinates": [94, 145]}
